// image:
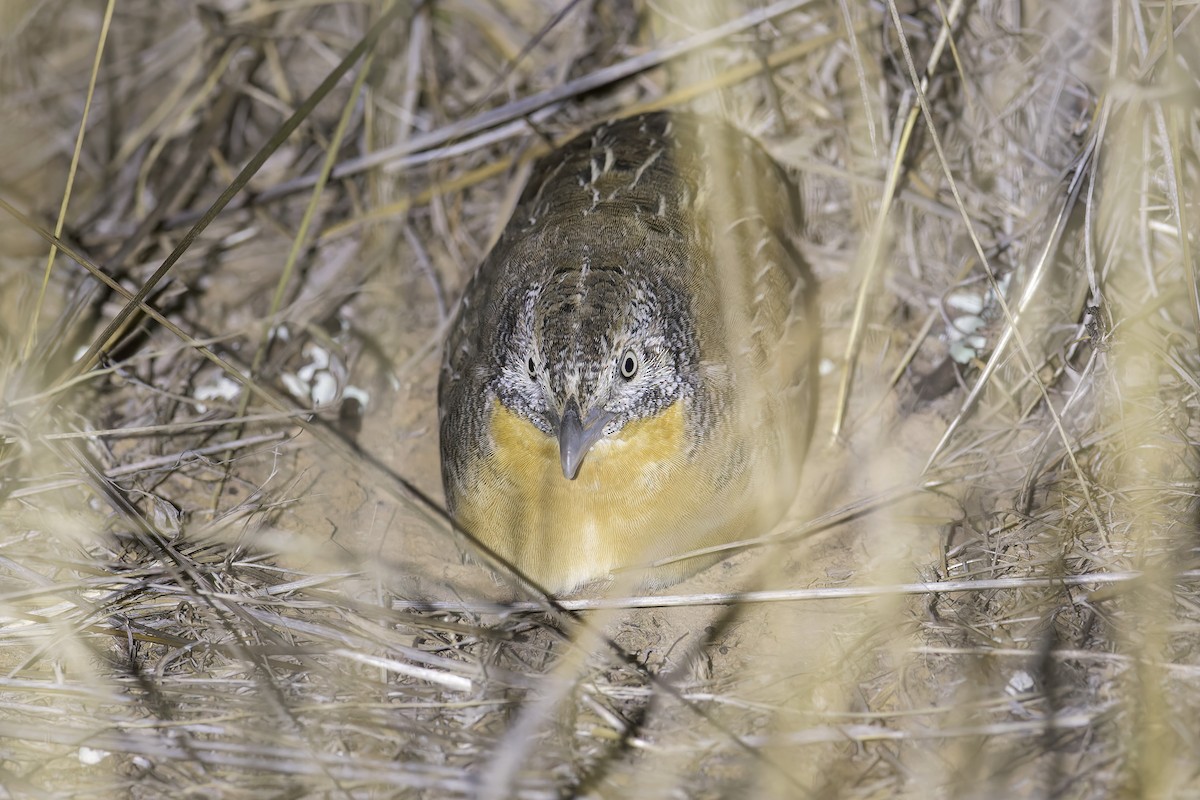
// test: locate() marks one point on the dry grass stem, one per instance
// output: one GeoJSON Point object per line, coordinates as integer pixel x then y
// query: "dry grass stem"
{"type": "Point", "coordinates": [232, 237]}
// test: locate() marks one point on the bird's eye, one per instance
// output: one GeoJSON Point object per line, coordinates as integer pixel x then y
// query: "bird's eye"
{"type": "Point", "coordinates": [532, 365]}
{"type": "Point", "coordinates": [629, 364]}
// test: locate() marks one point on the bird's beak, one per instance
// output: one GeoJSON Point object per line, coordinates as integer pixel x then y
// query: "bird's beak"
{"type": "Point", "coordinates": [576, 436]}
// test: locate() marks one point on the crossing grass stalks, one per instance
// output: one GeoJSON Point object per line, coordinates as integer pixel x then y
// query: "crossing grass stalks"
{"type": "Point", "coordinates": [232, 236]}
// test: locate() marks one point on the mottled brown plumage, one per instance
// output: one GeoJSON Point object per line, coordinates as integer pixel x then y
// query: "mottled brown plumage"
{"type": "Point", "coordinates": [631, 373]}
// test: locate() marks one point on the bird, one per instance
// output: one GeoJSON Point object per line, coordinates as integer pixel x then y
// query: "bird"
{"type": "Point", "coordinates": [631, 371]}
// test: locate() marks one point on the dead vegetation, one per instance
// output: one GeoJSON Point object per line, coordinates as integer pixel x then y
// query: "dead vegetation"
{"type": "Point", "coordinates": [223, 568]}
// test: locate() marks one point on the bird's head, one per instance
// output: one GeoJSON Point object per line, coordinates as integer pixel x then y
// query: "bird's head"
{"type": "Point", "coordinates": [590, 351]}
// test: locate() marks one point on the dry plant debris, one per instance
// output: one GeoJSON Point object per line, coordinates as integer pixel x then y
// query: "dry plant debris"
{"type": "Point", "coordinates": [232, 234]}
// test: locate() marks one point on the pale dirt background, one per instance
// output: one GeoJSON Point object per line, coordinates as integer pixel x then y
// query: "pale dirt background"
{"type": "Point", "coordinates": [263, 606]}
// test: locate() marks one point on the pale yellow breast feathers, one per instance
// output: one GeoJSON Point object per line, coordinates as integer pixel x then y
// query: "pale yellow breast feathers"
{"type": "Point", "coordinates": [618, 512]}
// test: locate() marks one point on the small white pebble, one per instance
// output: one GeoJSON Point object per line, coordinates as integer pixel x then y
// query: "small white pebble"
{"type": "Point", "coordinates": [354, 393]}
{"type": "Point", "coordinates": [89, 757]}
{"type": "Point", "coordinates": [319, 360]}
{"type": "Point", "coordinates": [826, 367]}
{"type": "Point", "coordinates": [324, 389]}
{"type": "Point", "coordinates": [964, 326]}
{"type": "Point", "coordinates": [970, 302]}
{"type": "Point", "coordinates": [961, 352]}
{"type": "Point", "coordinates": [1019, 683]}
{"type": "Point", "coordinates": [222, 388]}
{"type": "Point", "coordinates": [319, 355]}
{"type": "Point", "coordinates": [296, 387]}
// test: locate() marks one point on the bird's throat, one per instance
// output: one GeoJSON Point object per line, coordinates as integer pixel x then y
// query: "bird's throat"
{"type": "Point", "coordinates": [632, 459]}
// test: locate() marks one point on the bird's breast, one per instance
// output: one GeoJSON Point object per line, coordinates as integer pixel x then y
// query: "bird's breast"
{"type": "Point", "coordinates": [636, 495]}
